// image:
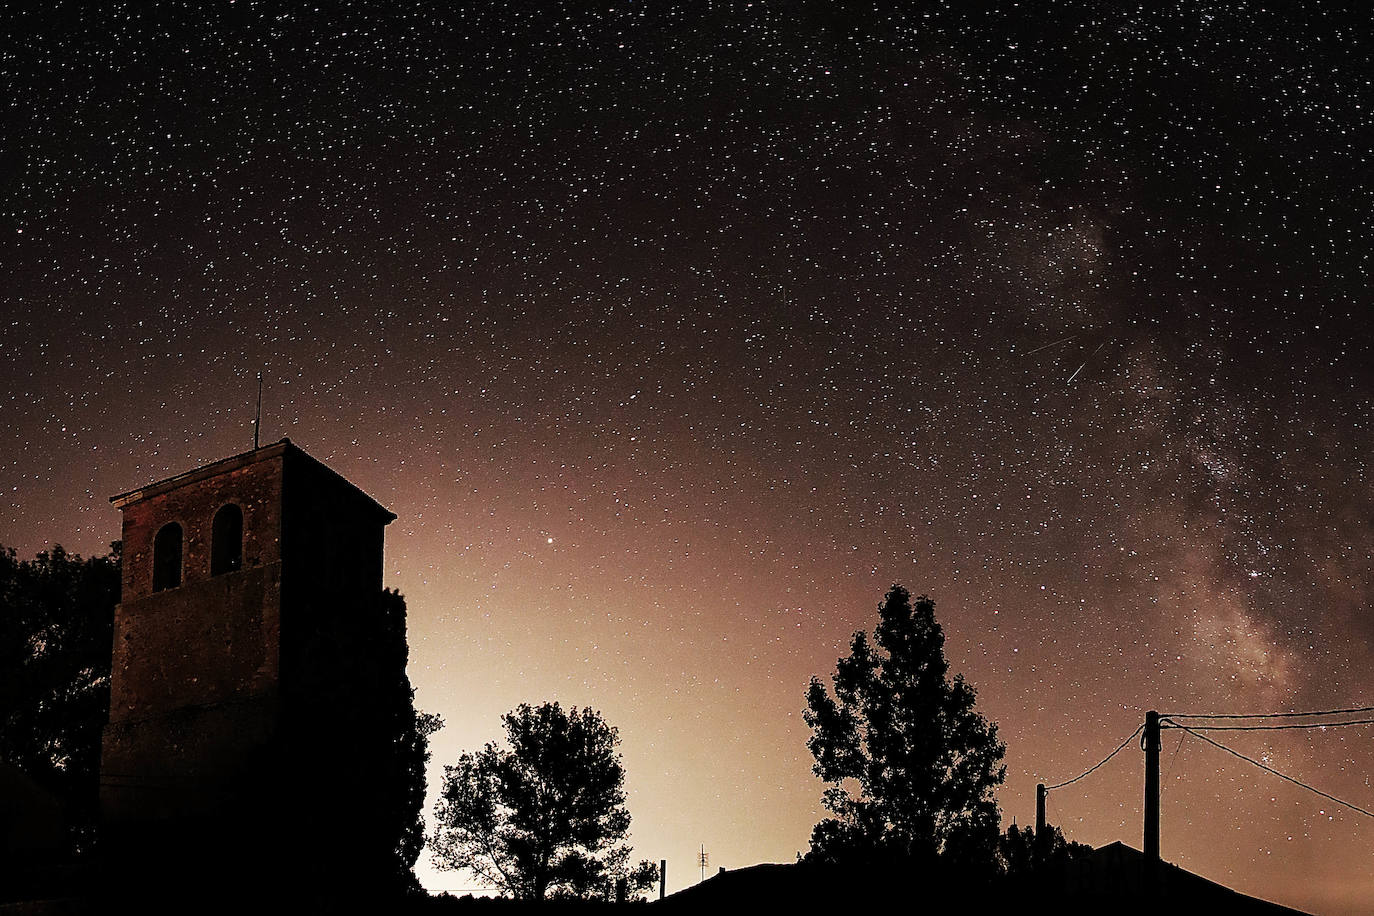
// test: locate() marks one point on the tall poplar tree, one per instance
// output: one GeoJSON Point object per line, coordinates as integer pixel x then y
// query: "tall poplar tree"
{"type": "Point", "coordinates": [911, 766]}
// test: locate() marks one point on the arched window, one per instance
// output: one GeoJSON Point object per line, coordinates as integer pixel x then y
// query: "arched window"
{"type": "Point", "coordinates": [167, 557]}
{"type": "Point", "coordinates": [226, 540]}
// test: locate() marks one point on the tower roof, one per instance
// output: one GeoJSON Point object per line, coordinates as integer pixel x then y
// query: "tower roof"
{"type": "Point", "coordinates": [224, 465]}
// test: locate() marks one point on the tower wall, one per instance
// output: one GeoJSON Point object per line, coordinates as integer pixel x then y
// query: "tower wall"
{"type": "Point", "coordinates": [196, 668]}
{"type": "Point", "coordinates": [252, 481]}
{"type": "Point", "coordinates": [214, 677]}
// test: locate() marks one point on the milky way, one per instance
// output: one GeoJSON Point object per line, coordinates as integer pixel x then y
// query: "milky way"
{"type": "Point", "coordinates": [674, 336]}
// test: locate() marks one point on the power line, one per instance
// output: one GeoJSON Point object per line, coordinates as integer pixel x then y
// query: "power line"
{"type": "Point", "coordinates": [1120, 747]}
{"type": "Point", "coordinates": [1268, 715]}
{"type": "Point", "coordinates": [1174, 758]}
{"type": "Point", "coordinates": [1266, 728]}
{"type": "Point", "coordinates": [1269, 769]}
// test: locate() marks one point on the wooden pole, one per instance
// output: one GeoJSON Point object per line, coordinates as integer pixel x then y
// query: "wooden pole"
{"type": "Point", "coordinates": [662, 878]}
{"type": "Point", "coordinates": [1040, 794]}
{"type": "Point", "coordinates": [1152, 860]}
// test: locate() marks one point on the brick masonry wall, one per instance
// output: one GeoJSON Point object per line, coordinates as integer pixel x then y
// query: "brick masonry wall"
{"type": "Point", "coordinates": [256, 488]}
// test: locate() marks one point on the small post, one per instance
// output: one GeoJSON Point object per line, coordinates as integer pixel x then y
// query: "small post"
{"type": "Point", "coordinates": [1040, 794]}
{"type": "Point", "coordinates": [662, 878]}
{"type": "Point", "coordinates": [1152, 860]}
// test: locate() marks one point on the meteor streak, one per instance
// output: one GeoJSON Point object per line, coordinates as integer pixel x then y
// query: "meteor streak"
{"type": "Point", "coordinates": [1086, 361]}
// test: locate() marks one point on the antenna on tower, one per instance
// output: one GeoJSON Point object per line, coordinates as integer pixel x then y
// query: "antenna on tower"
{"type": "Point", "coordinates": [703, 859]}
{"type": "Point", "coordinates": [257, 418]}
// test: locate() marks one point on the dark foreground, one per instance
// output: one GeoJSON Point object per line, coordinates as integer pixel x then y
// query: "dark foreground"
{"type": "Point", "coordinates": [1110, 880]}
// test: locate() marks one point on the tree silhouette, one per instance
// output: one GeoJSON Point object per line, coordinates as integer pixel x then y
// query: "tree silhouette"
{"type": "Point", "coordinates": [401, 750]}
{"type": "Point", "coordinates": [1023, 854]}
{"type": "Point", "coordinates": [55, 634]}
{"type": "Point", "coordinates": [911, 765]}
{"type": "Point", "coordinates": [354, 734]}
{"type": "Point", "coordinates": [545, 817]}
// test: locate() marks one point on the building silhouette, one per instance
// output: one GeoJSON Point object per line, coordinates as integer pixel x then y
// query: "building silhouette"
{"type": "Point", "coordinates": [250, 642]}
{"type": "Point", "coordinates": [1106, 880]}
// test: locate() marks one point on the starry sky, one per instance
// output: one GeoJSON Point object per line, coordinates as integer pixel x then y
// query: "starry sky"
{"type": "Point", "coordinates": [674, 334]}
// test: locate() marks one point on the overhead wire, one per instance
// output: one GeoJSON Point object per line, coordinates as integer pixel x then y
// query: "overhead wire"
{"type": "Point", "coordinates": [1168, 721]}
{"type": "Point", "coordinates": [1266, 728]}
{"type": "Point", "coordinates": [1268, 715]}
{"type": "Point", "coordinates": [1174, 758]}
{"type": "Point", "coordinates": [1269, 769]}
{"type": "Point", "coordinates": [1119, 748]}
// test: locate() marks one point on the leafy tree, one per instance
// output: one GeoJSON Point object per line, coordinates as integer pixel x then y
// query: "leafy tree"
{"type": "Point", "coordinates": [911, 766]}
{"type": "Point", "coordinates": [56, 627]}
{"type": "Point", "coordinates": [401, 751]}
{"type": "Point", "coordinates": [546, 817]}
{"type": "Point", "coordinates": [354, 703]}
{"type": "Point", "coordinates": [1022, 853]}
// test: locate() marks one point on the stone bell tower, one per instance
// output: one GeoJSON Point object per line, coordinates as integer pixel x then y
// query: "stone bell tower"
{"type": "Point", "coordinates": [246, 606]}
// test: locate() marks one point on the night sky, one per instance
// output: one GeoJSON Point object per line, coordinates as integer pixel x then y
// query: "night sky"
{"type": "Point", "coordinates": [675, 334]}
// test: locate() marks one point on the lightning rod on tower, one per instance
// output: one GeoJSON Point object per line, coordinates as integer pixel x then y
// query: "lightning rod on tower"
{"type": "Point", "coordinates": [257, 417]}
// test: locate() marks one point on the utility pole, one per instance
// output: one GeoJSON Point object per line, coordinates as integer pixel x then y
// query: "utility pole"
{"type": "Point", "coordinates": [1152, 743]}
{"type": "Point", "coordinates": [662, 878]}
{"type": "Point", "coordinates": [1040, 794]}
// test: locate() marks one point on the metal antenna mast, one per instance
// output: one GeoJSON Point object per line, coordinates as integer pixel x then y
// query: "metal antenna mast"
{"type": "Point", "coordinates": [703, 859]}
{"type": "Point", "coordinates": [257, 418]}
